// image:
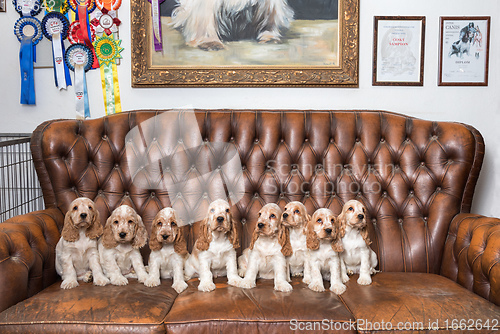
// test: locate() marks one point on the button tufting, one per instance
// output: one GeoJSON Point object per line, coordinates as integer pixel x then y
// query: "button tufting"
{"type": "Point", "coordinates": [282, 140]}
{"type": "Point", "coordinates": [412, 192]}
{"type": "Point", "coordinates": [256, 140]}
{"type": "Point", "coordinates": [306, 140]}
{"type": "Point", "coordinates": [127, 193]}
{"type": "Point", "coordinates": [400, 220]}
{"type": "Point", "coordinates": [384, 193]}
{"type": "Point", "coordinates": [256, 195]}
{"type": "Point", "coordinates": [382, 140]}
{"type": "Point", "coordinates": [231, 139]}
{"type": "Point", "coordinates": [438, 189]}
{"type": "Point", "coordinates": [152, 194]}
{"type": "Point", "coordinates": [357, 140]}
{"type": "Point", "coordinates": [331, 140]}
{"type": "Point", "coordinates": [243, 221]}
{"type": "Point", "coordinates": [282, 195]}
{"type": "Point", "coordinates": [422, 163]}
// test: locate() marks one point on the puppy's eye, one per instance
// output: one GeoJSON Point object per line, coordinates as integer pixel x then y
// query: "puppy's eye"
{"type": "Point", "coordinates": [260, 214]}
{"type": "Point", "coordinates": [320, 220]}
{"type": "Point", "coordinates": [90, 208]}
{"type": "Point", "coordinates": [159, 223]}
{"type": "Point", "coordinates": [332, 221]}
{"type": "Point", "coordinates": [75, 208]}
{"type": "Point", "coordinates": [350, 208]}
{"type": "Point", "coordinates": [212, 210]}
{"type": "Point", "coordinates": [173, 224]}
{"type": "Point", "coordinates": [296, 211]}
{"type": "Point", "coordinates": [130, 221]}
{"type": "Point", "coordinates": [272, 215]}
{"type": "Point", "coordinates": [115, 222]}
{"type": "Point", "coordinates": [227, 210]}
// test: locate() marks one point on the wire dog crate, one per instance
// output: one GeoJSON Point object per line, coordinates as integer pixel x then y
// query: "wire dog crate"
{"type": "Point", "coordinates": [20, 190]}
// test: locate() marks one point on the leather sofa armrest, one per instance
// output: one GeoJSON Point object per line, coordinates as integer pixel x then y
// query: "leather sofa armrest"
{"type": "Point", "coordinates": [472, 255]}
{"type": "Point", "coordinates": [27, 254]}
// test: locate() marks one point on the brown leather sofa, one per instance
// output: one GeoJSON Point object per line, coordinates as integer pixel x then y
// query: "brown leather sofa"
{"type": "Point", "coordinates": [439, 264]}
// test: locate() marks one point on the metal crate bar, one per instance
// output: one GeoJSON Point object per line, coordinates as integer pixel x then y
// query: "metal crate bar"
{"type": "Point", "coordinates": [20, 190]}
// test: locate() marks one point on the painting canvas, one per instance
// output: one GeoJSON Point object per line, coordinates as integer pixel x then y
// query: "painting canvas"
{"type": "Point", "coordinates": [315, 45]}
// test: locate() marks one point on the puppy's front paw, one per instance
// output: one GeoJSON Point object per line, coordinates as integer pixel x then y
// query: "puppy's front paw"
{"type": "Point", "coordinates": [316, 286]}
{"type": "Point", "coordinates": [142, 277]}
{"type": "Point", "coordinates": [179, 286]}
{"type": "Point", "coordinates": [345, 278]}
{"type": "Point", "coordinates": [101, 280]}
{"type": "Point", "coordinates": [247, 284]}
{"type": "Point", "coordinates": [235, 282]}
{"type": "Point", "coordinates": [119, 280]}
{"type": "Point", "coordinates": [364, 280]}
{"type": "Point", "coordinates": [241, 272]}
{"type": "Point", "coordinates": [152, 282]}
{"type": "Point", "coordinates": [282, 286]}
{"type": "Point", "coordinates": [69, 284]}
{"type": "Point", "coordinates": [88, 277]}
{"type": "Point", "coordinates": [206, 286]}
{"type": "Point", "coordinates": [338, 289]}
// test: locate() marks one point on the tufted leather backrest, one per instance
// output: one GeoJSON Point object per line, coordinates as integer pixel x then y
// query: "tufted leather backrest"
{"type": "Point", "coordinates": [413, 175]}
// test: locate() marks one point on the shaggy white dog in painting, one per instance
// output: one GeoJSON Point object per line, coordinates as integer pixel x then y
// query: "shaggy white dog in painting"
{"type": "Point", "coordinates": [206, 23]}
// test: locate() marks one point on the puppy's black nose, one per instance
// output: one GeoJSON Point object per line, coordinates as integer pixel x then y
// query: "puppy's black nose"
{"type": "Point", "coordinates": [165, 237]}
{"type": "Point", "coordinates": [328, 230]}
{"type": "Point", "coordinates": [122, 235]}
{"type": "Point", "coordinates": [83, 215]}
{"type": "Point", "coordinates": [285, 215]}
{"type": "Point", "coordinates": [361, 216]}
{"type": "Point", "coordinates": [220, 219]}
{"type": "Point", "coordinates": [260, 225]}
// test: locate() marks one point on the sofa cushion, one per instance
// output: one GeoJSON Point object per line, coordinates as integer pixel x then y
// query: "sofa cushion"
{"type": "Point", "coordinates": [416, 302]}
{"type": "Point", "coordinates": [92, 309]}
{"type": "Point", "coordinates": [259, 310]}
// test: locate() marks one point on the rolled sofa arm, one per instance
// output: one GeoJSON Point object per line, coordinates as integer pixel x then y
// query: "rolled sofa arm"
{"type": "Point", "coordinates": [27, 254]}
{"type": "Point", "coordinates": [472, 255]}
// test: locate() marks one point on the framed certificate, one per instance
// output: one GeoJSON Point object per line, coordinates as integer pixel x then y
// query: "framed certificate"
{"type": "Point", "coordinates": [398, 51]}
{"type": "Point", "coordinates": [464, 51]}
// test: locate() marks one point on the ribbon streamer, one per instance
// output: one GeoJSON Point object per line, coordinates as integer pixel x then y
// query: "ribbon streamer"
{"type": "Point", "coordinates": [157, 35]}
{"type": "Point", "coordinates": [79, 59]}
{"type": "Point", "coordinates": [55, 27]}
{"type": "Point", "coordinates": [28, 31]}
{"type": "Point", "coordinates": [108, 51]}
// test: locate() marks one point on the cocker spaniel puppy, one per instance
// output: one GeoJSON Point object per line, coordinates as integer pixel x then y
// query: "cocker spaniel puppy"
{"type": "Point", "coordinates": [324, 241]}
{"type": "Point", "coordinates": [124, 234]}
{"type": "Point", "coordinates": [214, 252]}
{"type": "Point", "coordinates": [295, 218]}
{"type": "Point", "coordinates": [358, 257]}
{"type": "Point", "coordinates": [206, 23]}
{"type": "Point", "coordinates": [266, 255]}
{"type": "Point", "coordinates": [168, 250]}
{"type": "Point", "coordinates": [77, 257]}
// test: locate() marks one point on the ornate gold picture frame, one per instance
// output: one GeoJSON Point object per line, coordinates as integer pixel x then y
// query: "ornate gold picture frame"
{"type": "Point", "coordinates": [165, 69]}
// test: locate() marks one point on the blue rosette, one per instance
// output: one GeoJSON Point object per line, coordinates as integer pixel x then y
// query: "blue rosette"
{"type": "Point", "coordinates": [26, 22]}
{"type": "Point", "coordinates": [79, 52]}
{"type": "Point", "coordinates": [55, 21]}
{"type": "Point", "coordinates": [34, 6]}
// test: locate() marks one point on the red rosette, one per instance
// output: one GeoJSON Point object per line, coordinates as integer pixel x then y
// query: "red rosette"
{"type": "Point", "coordinates": [75, 34]}
{"type": "Point", "coordinates": [108, 4]}
{"type": "Point", "coordinates": [90, 4]}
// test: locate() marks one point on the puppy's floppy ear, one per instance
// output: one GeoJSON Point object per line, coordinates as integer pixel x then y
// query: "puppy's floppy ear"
{"type": "Point", "coordinates": [154, 244]}
{"type": "Point", "coordinates": [108, 240]}
{"type": "Point", "coordinates": [141, 234]}
{"type": "Point", "coordinates": [205, 237]}
{"type": "Point", "coordinates": [95, 229]}
{"type": "Point", "coordinates": [337, 244]}
{"type": "Point", "coordinates": [342, 222]}
{"type": "Point", "coordinates": [364, 234]}
{"type": "Point", "coordinates": [180, 244]}
{"type": "Point", "coordinates": [255, 236]}
{"type": "Point", "coordinates": [233, 235]}
{"type": "Point", "coordinates": [284, 240]}
{"type": "Point", "coordinates": [69, 231]}
{"type": "Point", "coordinates": [312, 240]}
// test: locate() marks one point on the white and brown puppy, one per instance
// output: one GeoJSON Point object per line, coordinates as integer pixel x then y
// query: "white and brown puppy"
{"type": "Point", "coordinates": [324, 241]}
{"type": "Point", "coordinates": [124, 234]}
{"type": "Point", "coordinates": [214, 253]}
{"type": "Point", "coordinates": [357, 257]}
{"type": "Point", "coordinates": [206, 23]}
{"type": "Point", "coordinates": [266, 255]}
{"type": "Point", "coordinates": [168, 250]}
{"type": "Point", "coordinates": [295, 218]}
{"type": "Point", "coordinates": [77, 257]}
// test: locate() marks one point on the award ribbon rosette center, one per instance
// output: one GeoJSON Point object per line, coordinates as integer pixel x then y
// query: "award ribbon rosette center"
{"type": "Point", "coordinates": [79, 59]}
{"type": "Point", "coordinates": [55, 27]}
{"type": "Point", "coordinates": [108, 51]}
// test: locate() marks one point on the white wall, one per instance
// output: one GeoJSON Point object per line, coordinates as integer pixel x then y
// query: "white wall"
{"type": "Point", "coordinates": [478, 106]}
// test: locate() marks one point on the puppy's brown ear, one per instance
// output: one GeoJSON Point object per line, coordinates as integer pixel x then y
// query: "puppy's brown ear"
{"type": "Point", "coordinates": [205, 238]}
{"type": "Point", "coordinates": [154, 244]}
{"type": "Point", "coordinates": [108, 240]}
{"type": "Point", "coordinates": [284, 241]}
{"type": "Point", "coordinates": [312, 241]}
{"type": "Point", "coordinates": [341, 220]}
{"type": "Point", "coordinates": [233, 235]}
{"type": "Point", "coordinates": [255, 236]}
{"type": "Point", "coordinates": [180, 244]}
{"type": "Point", "coordinates": [364, 234]}
{"type": "Point", "coordinates": [69, 231]}
{"type": "Point", "coordinates": [337, 244]}
{"type": "Point", "coordinates": [141, 234]}
{"type": "Point", "coordinates": [95, 229]}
